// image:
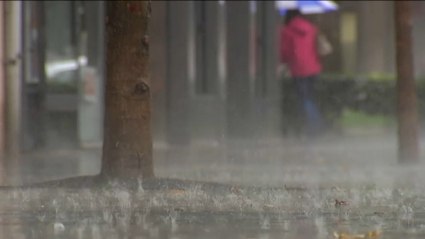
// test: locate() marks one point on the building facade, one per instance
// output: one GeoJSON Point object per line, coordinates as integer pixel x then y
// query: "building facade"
{"type": "Point", "coordinates": [59, 74]}
{"type": "Point", "coordinates": [213, 67]}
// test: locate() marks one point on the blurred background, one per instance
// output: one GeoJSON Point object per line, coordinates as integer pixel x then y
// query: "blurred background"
{"type": "Point", "coordinates": [216, 80]}
{"type": "Point", "coordinates": [224, 110]}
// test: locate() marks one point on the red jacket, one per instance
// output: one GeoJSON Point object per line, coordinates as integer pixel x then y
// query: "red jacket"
{"type": "Point", "coordinates": [298, 48]}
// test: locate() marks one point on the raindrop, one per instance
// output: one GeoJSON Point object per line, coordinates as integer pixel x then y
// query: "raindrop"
{"type": "Point", "coordinates": [264, 222]}
{"type": "Point", "coordinates": [140, 189]}
{"type": "Point", "coordinates": [107, 216]}
{"type": "Point", "coordinates": [41, 217]}
{"type": "Point", "coordinates": [58, 228]}
{"type": "Point", "coordinates": [173, 218]}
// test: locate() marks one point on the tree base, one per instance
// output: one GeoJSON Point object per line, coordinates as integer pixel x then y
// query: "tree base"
{"type": "Point", "coordinates": [99, 182]}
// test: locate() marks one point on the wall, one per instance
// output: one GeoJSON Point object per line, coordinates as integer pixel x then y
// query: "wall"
{"type": "Point", "coordinates": [376, 36]}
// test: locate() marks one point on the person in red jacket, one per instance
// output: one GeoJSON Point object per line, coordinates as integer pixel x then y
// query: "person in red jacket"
{"type": "Point", "coordinates": [298, 51]}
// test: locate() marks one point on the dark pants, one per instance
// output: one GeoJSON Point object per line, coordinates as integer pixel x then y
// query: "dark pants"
{"type": "Point", "coordinates": [304, 86]}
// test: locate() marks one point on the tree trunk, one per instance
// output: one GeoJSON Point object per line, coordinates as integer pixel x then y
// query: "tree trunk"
{"type": "Point", "coordinates": [407, 103]}
{"type": "Point", "coordinates": [127, 143]}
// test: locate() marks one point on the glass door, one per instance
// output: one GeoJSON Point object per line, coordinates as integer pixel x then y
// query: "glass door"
{"type": "Point", "coordinates": [90, 96]}
{"type": "Point", "coordinates": [34, 90]}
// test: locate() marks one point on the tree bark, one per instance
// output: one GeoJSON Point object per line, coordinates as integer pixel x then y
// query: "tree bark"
{"type": "Point", "coordinates": [127, 143]}
{"type": "Point", "coordinates": [407, 103]}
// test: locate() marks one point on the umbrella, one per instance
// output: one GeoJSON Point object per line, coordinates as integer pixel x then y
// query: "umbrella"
{"type": "Point", "coordinates": [307, 7]}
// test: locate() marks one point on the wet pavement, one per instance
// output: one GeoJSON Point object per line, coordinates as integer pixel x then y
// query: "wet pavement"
{"type": "Point", "coordinates": [163, 227]}
{"type": "Point", "coordinates": [129, 222]}
{"type": "Point", "coordinates": [191, 213]}
{"type": "Point", "coordinates": [273, 161]}
{"type": "Point", "coordinates": [360, 171]}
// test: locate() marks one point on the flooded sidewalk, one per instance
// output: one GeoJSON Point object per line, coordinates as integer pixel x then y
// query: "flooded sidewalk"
{"type": "Point", "coordinates": [273, 161]}
{"type": "Point", "coordinates": [117, 213]}
{"type": "Point", "coordinates": [310, 175]}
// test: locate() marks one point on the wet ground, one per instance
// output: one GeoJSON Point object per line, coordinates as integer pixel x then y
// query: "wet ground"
{"type": "Point", "coordinates": [270, 162]}
{"type": "Point", "coordinates": [310, 175]}
{"type": "Point", "coordinates": [173, 224]}
{"type": "Point", "coordinates": [185, 227]}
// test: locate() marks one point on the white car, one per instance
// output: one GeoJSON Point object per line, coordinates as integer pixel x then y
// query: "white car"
{"type": "Point", "coordinates": [62, 71]}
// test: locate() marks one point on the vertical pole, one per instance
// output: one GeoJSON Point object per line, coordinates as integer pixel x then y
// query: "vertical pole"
{"type": "Point", "coordinates": [2, 81]}
{"type": "Point", "coordinates": [407, 103]}
{"type": "Point", "coordinates": [2, 95]}
{"type": "Point", "coordinates": [12, 63]}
